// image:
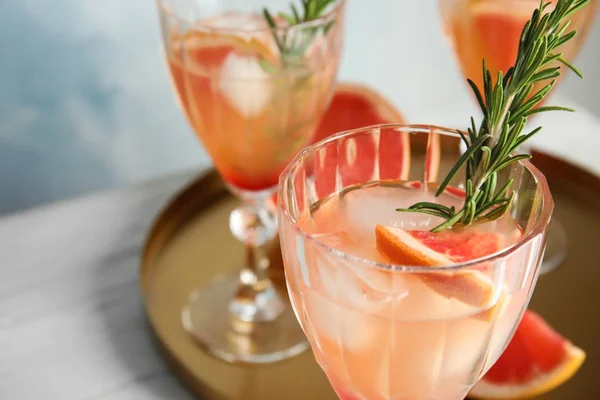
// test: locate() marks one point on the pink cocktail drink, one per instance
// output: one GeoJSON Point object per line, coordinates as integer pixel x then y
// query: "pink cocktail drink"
{"type": "Point", "coordinates": [381, 330]}
{"type": "Point", "coordinates": [251, 120]}
{"type": "Point", "coordinates": [395, 334]}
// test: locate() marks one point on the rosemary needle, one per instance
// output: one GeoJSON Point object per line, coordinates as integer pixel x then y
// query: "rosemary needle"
{"type": "Point", "coordinates": [292, 49]}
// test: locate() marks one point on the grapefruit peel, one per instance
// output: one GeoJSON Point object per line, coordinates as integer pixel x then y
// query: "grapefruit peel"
{"type": "Point", "coordinates": [530, 329]}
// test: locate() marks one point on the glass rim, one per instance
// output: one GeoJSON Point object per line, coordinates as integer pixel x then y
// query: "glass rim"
{"type": "Point", "coordinates": [335, 10]}
{"type": "Point", "coordinates": [539, 226]}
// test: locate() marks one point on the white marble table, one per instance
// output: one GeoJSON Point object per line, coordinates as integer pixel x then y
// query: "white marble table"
{"type": "Point", "coordinates": [72, 325]}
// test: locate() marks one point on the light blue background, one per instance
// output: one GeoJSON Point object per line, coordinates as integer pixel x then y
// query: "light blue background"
{"type": "Point", "coordinates": [86, 104]}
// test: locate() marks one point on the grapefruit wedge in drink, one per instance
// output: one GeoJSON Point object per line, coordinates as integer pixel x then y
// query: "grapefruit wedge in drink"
{"type": "Point", "coordinates": [416, 247]}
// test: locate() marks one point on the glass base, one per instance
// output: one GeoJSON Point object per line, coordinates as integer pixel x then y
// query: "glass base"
{"type": "Point", "coordinates": [556, 247]}
{"type": "Point", "coordinates": [208, 319]}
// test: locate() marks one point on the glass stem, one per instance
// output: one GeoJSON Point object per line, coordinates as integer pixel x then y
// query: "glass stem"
{"type": "Point", "coordinates": [255, 225]}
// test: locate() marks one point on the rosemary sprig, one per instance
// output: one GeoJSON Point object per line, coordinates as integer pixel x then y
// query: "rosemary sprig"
{"type": "Point", "coordinates": [292, 49]}
{"type": "Point", "coordinates": [506, 108]}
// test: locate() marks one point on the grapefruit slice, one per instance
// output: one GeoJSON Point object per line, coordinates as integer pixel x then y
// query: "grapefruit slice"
{"type": "Point", "coordinates": [206, 51]}
{"type": "Point", "coordinates": [422, 248]}
{"type": "Point", "coordinates": [537, 360]}
{"type": "Point", "coordinates": [356, 106]}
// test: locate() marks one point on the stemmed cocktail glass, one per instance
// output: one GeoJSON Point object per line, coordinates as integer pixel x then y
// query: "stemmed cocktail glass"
{"type": "Point", "coordinates": [253, 94]}
{"type": "Point", "coordinates": [384, 331]}
{"type": "Point", "coordinates": [491, 29]}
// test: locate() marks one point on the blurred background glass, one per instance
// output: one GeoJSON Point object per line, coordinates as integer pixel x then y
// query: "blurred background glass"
{"type": "Point", "coordinates": [86, 104]}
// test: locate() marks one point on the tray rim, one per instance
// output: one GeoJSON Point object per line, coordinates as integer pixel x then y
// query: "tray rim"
{"type": "Point", "coordinates": [217, 190]}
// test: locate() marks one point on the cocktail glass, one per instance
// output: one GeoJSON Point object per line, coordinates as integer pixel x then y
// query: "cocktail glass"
{"type": "Point", "coordinates": [382, 331]}
{"type": "Point", "coordinates": [253, 106]}
{"type": "Point", "coordinates": [491, 29]}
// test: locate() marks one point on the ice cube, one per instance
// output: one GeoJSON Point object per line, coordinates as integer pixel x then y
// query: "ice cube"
{"type": "Point", "coordinates": [466, 344]}
{"type": "Point", "coordinates": [424, 303]}
{"type": "Point", "coordinates": [367, 207]}
{"type": "Point", "coordinates": [359, 288]}
{"type": "Point", "coordinates": [340, 304]}
{"type": "Point", "coordinates": [245, 84]}
{"type": "Point", "coordinates": [331, 323]}
{"type": "Point", "coordinates": [242, 80]}
{"type": "Point", "coordinates": [354, 283]}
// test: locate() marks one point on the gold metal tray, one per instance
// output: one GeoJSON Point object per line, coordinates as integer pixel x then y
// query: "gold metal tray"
{"type": "Point", "coordinates": [190, 243]}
